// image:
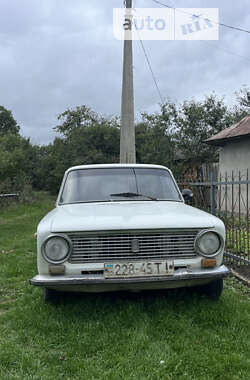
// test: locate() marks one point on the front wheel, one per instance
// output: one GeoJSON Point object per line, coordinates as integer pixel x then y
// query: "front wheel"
{"type": "Point", "coordinates": [212, 290]}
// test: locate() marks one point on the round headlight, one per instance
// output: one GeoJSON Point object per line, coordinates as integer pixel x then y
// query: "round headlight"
{"type": "Point", "coordinates": [208, 243]}
{"type": "Point", "coordinates": [56, 249]}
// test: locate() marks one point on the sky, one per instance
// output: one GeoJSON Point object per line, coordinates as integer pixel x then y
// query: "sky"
{"type": "Point", "coordinates": [59, 54]}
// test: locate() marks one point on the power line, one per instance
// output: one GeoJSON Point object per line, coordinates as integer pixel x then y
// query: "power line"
{"type": "Point", "coordinates": [214, 22]}
{"type": "Point", "coordinates": [151, 70]}
{"type": "Point", "coordinates": [149, 65]}
{"type": "Point", "coordinates": [211, 44]}
{"type": "Point", "coordinates": [227, 51]}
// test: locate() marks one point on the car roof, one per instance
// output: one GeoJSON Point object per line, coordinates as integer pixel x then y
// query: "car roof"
{"type": "Point", "coordinates": [105, 166]}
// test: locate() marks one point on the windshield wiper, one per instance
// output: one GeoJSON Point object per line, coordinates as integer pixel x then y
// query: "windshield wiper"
{"type": "Point", "coordinates": [131, 195]}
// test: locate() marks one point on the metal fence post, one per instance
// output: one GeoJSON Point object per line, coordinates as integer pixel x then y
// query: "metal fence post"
{"type": "Point", "coordinates": [212, 193]}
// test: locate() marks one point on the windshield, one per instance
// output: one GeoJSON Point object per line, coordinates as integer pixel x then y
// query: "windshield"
{"type": "Point", "coordinates": [118, 184]}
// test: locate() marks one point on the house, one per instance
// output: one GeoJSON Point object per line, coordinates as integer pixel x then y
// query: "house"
{"type": "Point", "coordinates": [234, 142]}
{"type": "Point", "coordinates": [234, 164]}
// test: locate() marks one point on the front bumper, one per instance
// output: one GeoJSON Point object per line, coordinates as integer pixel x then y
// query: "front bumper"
{"type": "Point", "coordinates": [97, 283]}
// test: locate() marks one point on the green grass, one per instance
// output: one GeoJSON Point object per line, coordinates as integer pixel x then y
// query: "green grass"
{"type": "Point", "coordinates": [173, 335]}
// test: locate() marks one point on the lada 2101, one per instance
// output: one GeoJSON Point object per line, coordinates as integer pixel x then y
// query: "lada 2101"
{"type": "Point", "coordinates": [127, 227]}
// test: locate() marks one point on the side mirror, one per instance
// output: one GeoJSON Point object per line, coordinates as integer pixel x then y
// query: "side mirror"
{"type": "Point", "coordinates": [187, 195]}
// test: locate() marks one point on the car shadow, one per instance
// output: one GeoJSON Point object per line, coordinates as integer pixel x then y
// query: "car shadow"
{"type": "Point", "coordinates": [116, 296]}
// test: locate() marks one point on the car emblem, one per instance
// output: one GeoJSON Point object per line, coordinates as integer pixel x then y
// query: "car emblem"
{"type": "Point", "coordinates": [135, 246]}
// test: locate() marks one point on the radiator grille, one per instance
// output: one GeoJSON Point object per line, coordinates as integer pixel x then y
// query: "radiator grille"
{"type": "Point", "coordinates": [118, 246]}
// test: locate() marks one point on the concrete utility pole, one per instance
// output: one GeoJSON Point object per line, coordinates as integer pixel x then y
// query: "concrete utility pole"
{"type": "Point", "coordinates": [127, 134]}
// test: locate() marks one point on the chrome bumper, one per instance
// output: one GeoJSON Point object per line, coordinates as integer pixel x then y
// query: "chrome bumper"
{"type": "Point", "coordinates": [182, 277]}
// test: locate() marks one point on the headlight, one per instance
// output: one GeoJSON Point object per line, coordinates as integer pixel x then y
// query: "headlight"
{"type": "Point", "coordinates": [208, 243]}
{"type": "Point", "coordinates": [56, 249]}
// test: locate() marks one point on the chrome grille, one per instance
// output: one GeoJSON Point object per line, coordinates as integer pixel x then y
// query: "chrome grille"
{"type": "Point", "coordinates": [117, 246]}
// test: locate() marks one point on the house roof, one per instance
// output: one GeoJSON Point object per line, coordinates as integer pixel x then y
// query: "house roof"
{"type": "Point", "coordinates": [236, 132]}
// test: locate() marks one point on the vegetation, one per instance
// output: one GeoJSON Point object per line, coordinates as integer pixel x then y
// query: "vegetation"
{"type": "Point", "coordinates": [170, 137]}
{"type": "Point", "coordinates": [168, 335]}
{"type": "Point", "coordinates": [237, 233]}
{"type": "Point", "coordinates": [7, 122]}
{"type": "Point", "coordinates": [243, 98]}
{"type": "Point", "coordinates": [238, 241]}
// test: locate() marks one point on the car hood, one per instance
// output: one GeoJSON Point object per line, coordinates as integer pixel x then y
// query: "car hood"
{"type": "Point", "coordinates": [127, 216]}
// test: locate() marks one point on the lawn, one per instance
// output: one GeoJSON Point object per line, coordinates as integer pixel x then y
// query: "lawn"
{"type": "Point", "coordinates": [172, 335]}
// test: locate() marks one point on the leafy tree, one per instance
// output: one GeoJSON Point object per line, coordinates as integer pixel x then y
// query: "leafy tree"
{"type": "Point", "coordinates": [16, 162]}
{"type": "Point", "coordinates": [242, 107]}
{"type": "Point", "coordinates": [196, 121]}
{"type": "Point", "coordinates": [53, 160]}
{"type": "Point", "coordinates": [15, 158]}
{"type": "Point", "coordinates": [80, 118]}
{"type": "Point", "coordinates": [7, 123]}
{"type": "Point", "coordinates": [87, 139]}
{"type": "Point", "coordinates": [243, 98]}
{"type": "Point", "coordinates": [154, 137]}
{"type": "Point", "coordinates": [180, 130]}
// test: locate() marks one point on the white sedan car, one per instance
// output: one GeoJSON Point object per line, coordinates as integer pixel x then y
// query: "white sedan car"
{"type": "Point", "coordinates": [127, 227]}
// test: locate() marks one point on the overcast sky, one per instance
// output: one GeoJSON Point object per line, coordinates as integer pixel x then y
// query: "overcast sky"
{"type": "Point", "coordinates": [56, 54]}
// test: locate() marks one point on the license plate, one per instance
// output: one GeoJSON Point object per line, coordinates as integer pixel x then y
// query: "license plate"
{"type": "Point", "coordinates": [138, 269]}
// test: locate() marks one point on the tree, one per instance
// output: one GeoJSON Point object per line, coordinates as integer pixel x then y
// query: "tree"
{"type": "Point", "coordinates": [7, 123]}
{"type": "Point", "coordinates": [87, 138]}
{"type": "Point", "coordinates": [196, 121]}
{"type": "Point", "coordinates": [242, 108]}
{"type": "Point", "coordinates": [79, 118]}
{"type": "Point", "coordinates": [180, 130]}
{"type": "Point", "coordinates": [16, 163]}
{"type": "Point", "coordinates": [154, 137]}
{"type": "Point", "coordinates": [243, 98]}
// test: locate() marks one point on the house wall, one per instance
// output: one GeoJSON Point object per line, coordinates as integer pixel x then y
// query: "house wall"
{"type": "Point", "coordinates": [235, 157]}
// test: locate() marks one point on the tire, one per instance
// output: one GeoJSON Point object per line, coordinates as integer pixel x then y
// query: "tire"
{"type": "Point", "coordinates": [50, 296]}
{"type": "Point", "coordinates": [212, 290]}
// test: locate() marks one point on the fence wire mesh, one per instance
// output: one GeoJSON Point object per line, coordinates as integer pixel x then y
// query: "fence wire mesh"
{"type": "Point", "coordinates": [227, 196]}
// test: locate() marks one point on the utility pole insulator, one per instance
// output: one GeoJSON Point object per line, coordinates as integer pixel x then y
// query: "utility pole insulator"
{"type": "Point", "coordinates": [127, 134]}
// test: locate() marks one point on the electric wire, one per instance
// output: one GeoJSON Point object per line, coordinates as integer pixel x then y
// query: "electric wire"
{"type": "Point", "coordinates": [152, 72]}
{"type": "Point", "coordinates": [148, 62]}
{"type": "Point", "coordinates": [217, 47]}
{"type": "Point", "coordinates": [210, 43]}
{"type": "Point", "coordinates": [150, 67]}
{"type": "Point", "coordinates": [214, 22]}
{"type": "Point", "coordinates": [227, 51]}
